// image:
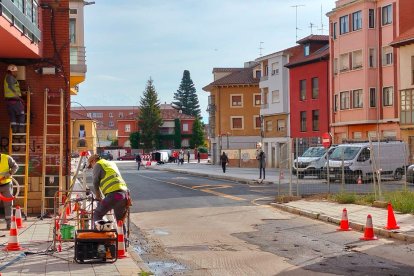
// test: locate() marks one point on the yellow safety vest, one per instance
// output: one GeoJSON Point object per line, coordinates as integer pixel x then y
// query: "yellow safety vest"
{"type": "Point", "coordinates": [4, 168]}
{"type": "Point", "coordinates": [113, 180]}
{"type": "Point", "coordinates": [8, 93]}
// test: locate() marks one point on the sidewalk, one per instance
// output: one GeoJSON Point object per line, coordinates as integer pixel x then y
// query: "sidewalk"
{"type": "Point", "coordinates": [36, 258]}
{"type": "Point", "coordinates": [322, 209]}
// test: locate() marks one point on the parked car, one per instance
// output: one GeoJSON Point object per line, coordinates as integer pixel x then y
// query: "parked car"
{"type": "Point", "coordinates": [127, 156]}
{"type": "Point", "coordinates": [106, 155]}
{"type": "Point", "coordinates": [410, 174]}
{"type": "Point", "coordinates": [311, 162]}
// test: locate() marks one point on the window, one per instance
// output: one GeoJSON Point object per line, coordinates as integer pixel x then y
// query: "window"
{"type": "Point", "coordinates": [275, 96]}
{"type": "Point", "coordinates": [258, 74]}
{"type": "Point", "coordinates": [275, 68]}
{"type": "Point", "coordinates": [357, 98]}
{"type": "Point", "coordinates": [371, 59]}
{"type": "Point", "coordinates": [236, 100]}
{"type": "Point", "coordinates": [357, 20]}
{"type": "Point", "coordinates": [335, 103]}
{"type": "Point", "coordinates": [412, 69]}
{"type": "Point", "coordinates": [344, 100]}
{"type": "Point", "coordinates": [372, 97]}
{"type": "Point", "coordinates": [334, 30]}
{"type": "Point", "coordinates": [344, 62]}
{"type": "Point", "coordinates": [111, 115]}
{"type": "Point", "coordinates": [357, 59]}
{"type": "Point", "coordinates": [121, 115]}
{"type": "Point", "coordinates": [387, 95]}
{"type": "Point", "coordinates": [407, 107]}
{"type": "Point", "coordinates": [73, 11]}
{"type": "Point", "coordinates": [128, 128]}
{"type": "Point", "coordinates": [236, 122]}
{"type": "Point", "coordinates": [344, 24]}
{"type": "Point", "coordinates": [387, 15]}
{"type": "Point", "coordinates": [358, 135]}
{"type": "Point", "coordinates": [371, 18]}
{"type": "Point", "coordinates": [269, 126]}
{"type": "Point", "coordinates": [266, 72]}
{"type": "Point", "coordinates": [89, 115]}
{"type": "Point", "coordinates": [306, 50]}
{"type": "Point", "coordinates": [281, 125]}
{"type": "Point", "coordinates": [303, 121]}
{"type": "Point", "coordinates": [387, 55]}
{"type": "Point", "coordinates": [302, 87]}
{"type": "Point", "coordinates": [97, 115]}
{"type": "Point", "coordinates": [265, 97]}
{"type": "Point", "coordinates": [315, 88]}
{"type": "Point", "coordinates": [257, 122]}
{"type": "Point", "coordinates": [257, 98]}
{"type": "Point", "coordinates": [111, 124]}
{"type": "Point", "coordinates": [185, 127]}
{"type": "Point", "coordinates": [315, 120]}
{"type": "Point", "coordinates": [72, 30]}
{"type": "Point", "coordinates": [335, 66]}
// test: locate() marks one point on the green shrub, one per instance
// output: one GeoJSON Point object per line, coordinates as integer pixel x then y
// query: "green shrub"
{"type": "Point", "coordinates": [402, 201]}
{"type": "Point", "coordinates": [365, 199]}
{"type": "Point", "coordinates": [202, 150]}
{"type": "Point", "coordinates": [345, 198]}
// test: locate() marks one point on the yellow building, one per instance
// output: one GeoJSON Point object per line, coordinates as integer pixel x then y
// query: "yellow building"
{"type": "Point", "coordinates": [234, 108]}
{"type": "Point", "coordinates": [83, 136]}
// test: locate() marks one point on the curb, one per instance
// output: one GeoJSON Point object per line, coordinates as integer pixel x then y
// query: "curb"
{"type": "Point", "coordinates": [354, 225]}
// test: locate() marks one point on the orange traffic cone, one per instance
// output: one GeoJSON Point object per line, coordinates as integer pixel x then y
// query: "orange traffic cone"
{"type": "Point", "coordinates": [391, 222]}
{"type": "Point", "coordinates": [13, 244]}
{"type": "Point", "coordinates": [68, 209]}
{"type": "Point", "coordinates": [19, 222]}
{"type": "Point", "coordinates": [344, 225]}
{"type": "Point", "coordinates": [121, 240]}
{"type": "Point", "coordinates": [369, 230]}
{"type": "Point", "coordinates": [58, 235]}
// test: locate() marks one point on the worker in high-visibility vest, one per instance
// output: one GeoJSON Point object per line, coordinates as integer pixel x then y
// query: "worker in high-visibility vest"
{"type": "Point", "coordinates": [14, 102]}
{"type": "Point", "coordinates": [8, 167]}
{"type": "Point", "coordinates": [107, 178]}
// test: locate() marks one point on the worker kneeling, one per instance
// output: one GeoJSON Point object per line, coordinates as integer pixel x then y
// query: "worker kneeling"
{"type": "Point", "coordinates": [107, 178]}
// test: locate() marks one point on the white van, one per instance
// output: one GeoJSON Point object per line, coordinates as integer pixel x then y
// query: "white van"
{"type": "Point", "coordinates": [359, 160]}
{"type": "Point", "coordinates": [311, 162]}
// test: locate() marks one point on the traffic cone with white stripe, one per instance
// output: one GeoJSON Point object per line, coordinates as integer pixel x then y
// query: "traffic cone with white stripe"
{"type": "Point", "coordinates": [58, 243]}
{"type": "Point", "coordinates": [19, 222]}
{"type": "Point", "coordinates": [121, 240]}
{"type": "Point", "coordinates": [344, 225]}
{"type": "Point", "coordinates": [13, 244]}
{"type": "Point", "coordinates": [369, 230]}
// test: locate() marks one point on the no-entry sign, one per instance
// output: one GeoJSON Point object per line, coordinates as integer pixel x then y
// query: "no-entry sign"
{"type": "Point", "coordinates": [326, 140]}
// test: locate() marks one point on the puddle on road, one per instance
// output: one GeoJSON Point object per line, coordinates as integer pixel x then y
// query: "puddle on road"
{"type": "Point", "coordinates": [165, 268]}
{"type": "Point", "coordinates": [160, 232]}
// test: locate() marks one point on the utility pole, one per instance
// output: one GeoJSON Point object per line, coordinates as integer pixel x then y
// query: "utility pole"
{"type": "Point", "coordinates": [296, 8]}
{"type": "Point", "coordinates": [260, 48]}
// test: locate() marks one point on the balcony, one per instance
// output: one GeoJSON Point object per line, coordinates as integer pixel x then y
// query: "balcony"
{"type": "Point", "coordinates": [19, 32]}
{"type": "Point", "coordinates": [77, 59]}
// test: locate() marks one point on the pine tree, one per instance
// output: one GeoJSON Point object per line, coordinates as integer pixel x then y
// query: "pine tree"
{"type": "Point", "coordinates": [197, 137]}
{"type": "Point", "coordinates": [186, 97]}
{"type": "Point", "coordinates": [149, 117]}
{"type": "Point", "coordinates": [135, 139]}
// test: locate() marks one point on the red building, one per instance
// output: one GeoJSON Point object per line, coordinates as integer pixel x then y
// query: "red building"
{"type": "Point", "coordinates": [309, 97]}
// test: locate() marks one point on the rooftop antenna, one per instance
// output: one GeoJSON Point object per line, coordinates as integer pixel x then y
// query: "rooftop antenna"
{"type": "Point", "coordinates": [296, 8]}
{"type": "Point", "coordinates": [260, 48]}
{"type": "Point", "coordinates": [311, 26]}
{"type": "Point", "coordinates": [322, 29]}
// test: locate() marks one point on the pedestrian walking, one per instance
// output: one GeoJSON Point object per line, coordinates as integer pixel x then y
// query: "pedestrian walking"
{"type": "Point", "coordinates": [198, 157]}
{"type": "Point", "coordinates": [138, 160]}
{"type": "Point", "coordinates": [181, 157]}
{"type": "Point", "coordinates": [224, 160]}
{"type": "Point", "coordinates": [261, 157]}
{"type": "Point", "coordinates": [8, 167]}
{"type": "Point", "coordinates": [188, 156]}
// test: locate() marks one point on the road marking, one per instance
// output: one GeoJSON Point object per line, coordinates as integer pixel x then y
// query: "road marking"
{"type": "Point", "coordinates": [196, 188]}
{"type": "Point", "coordinates": [260, 198]}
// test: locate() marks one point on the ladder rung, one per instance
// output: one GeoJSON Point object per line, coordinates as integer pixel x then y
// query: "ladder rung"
{"type": "Point", "coordinates": [51, 187]}
{"type": "Point", "coordinates": [19, 134]}
{"type": "Point", "coordinates": [52, 145]}
{"type": "Point", "coordinates": [53, 134]}
{"type": "Point", "coordinates": [50, 165]}
{"type": "Point", "coordinates": [56, 105]}
{"type": "Point", "coordinates": [19, 154]}
{"type": "Point", "coordinates": [49, 175]}
{"type": "Point", "coordinates": [21, 165]}
{"type": "Point", "coordinates": [18, 175]}
{"type": "Point", "coordinates": [18, 144]}
{"type": "Point", "coordinates": [53, 124]}
{"type": "Point", "coordinates": [53, 115]}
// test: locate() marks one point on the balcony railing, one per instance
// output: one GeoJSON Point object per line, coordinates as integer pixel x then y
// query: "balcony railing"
{"type": "Point", "coordinates": [77, 59]}
{"type": "Point", "coordinates": [24, 18]}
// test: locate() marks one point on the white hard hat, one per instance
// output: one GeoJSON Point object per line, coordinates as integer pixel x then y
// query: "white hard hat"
{"type": "Point", "coordinates": [12, 68]}
{"type": "Point", "coordinates": [103, 225]}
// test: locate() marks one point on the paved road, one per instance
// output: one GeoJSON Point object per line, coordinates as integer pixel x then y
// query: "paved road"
{"type": "Point", "coordinates": [199, 226]}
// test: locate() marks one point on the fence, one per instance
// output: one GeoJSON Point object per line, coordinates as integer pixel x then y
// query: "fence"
{"type": "Point", "coordinates": [362, 167]}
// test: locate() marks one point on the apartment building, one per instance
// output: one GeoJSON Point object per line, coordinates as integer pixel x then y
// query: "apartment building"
{"type": "Point", "coordinates": [234, 108]}
{"type": "Point", "coordinates": [83, 134]}
{"type": "Point", "coordinates": [309, 89]}
{"type": "Point", "coordinates": [363, 78]}
{"type": "Point", "coordinates": [274, 109]}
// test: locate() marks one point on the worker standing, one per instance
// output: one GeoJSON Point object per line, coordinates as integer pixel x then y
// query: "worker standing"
{"type": "Point", "coordinates": [14, 102]}
{"type": "Point", "coordinates": [8, 167]}
{"type": "Point", "coordinates": [107, 178]}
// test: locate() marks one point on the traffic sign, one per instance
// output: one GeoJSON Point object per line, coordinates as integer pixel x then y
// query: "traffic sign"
{"type": "Point", "coordinates": [326, 140]}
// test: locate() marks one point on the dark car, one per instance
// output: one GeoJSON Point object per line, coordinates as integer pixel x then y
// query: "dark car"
{"type": "Point", "coordinates": [127, 156]}
{"type": "Point", "coordinates": [106, 155]}
{"type": "Point", "coordinates": [410, 174]}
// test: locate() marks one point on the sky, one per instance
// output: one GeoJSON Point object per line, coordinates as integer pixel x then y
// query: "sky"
{"type": "Point", "coordinates": [129, 41]}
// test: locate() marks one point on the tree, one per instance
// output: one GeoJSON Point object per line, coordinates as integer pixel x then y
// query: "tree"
{"type": "Point", "coordinates": [135, 139]}
{"type": "Point", "coordinates": [177, 133]}
{"type": "Point", "coordinates": [186, 97]}
{"type": "Point", "coordinates": [149, 117]}
{"type": "Point", "coordinates": [197, 138]}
